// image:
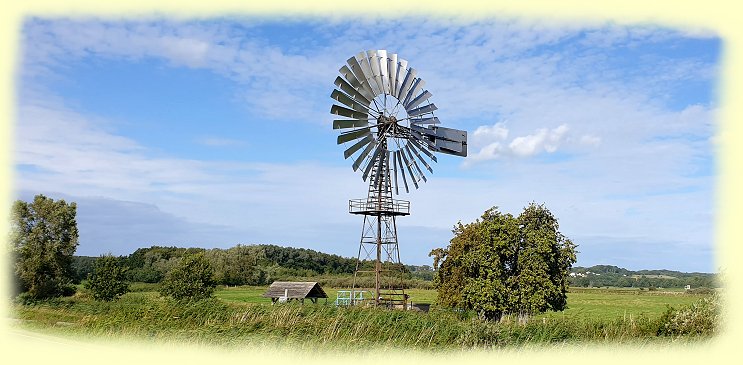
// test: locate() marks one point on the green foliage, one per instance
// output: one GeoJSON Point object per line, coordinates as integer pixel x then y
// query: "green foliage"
{"type": "Point", "coordinates": [107, 281]}
{"type": "Point", "coordinates": [150, 265]}
{"type": "Point", "coordinates": [700, 318]}
{"type": "Point", "coordinates": [241, 265]}
{"type": "Point", "coordinates": [237, 265]}
{"type": "Point", "coordinates": [423, 272]}
{"type": "Point", "coordinates": [504, 264]}
{"type": "Point", "coordinates": [544, 262]}
{"type": "Point", "coordinates": [44, 239]}
{"type": "Point", "coordinates": [301, 258]}
{"type": "Point", "coordinates": [191, 279]}
{"type": "Point", "coordinates": [82, 266]}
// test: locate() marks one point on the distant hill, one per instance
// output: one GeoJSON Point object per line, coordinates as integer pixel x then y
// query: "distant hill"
{"type": "Point", "coordinates": [609, 275]}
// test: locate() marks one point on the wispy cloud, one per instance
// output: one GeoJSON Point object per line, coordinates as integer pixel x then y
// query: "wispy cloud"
{"type": "Point", "coordinates": [524, 89]}
{"type": "Point", "coordinates": [512, 60]}
{"type": "Point", "coordinates": [273, 79]}
{"type": "Point", "coordinates": [67, 148]}
{"type": "Point", "coordinates": [61, 150]}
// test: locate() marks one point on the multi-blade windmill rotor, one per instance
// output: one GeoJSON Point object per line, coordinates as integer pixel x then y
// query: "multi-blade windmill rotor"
{"type": "Point", "coordinates": [392, 134]}
{"type": "Point", "coordinates": [385, 101]}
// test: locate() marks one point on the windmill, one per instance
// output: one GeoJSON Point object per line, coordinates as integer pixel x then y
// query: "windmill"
{"type": "Point", "coordinates": [389, 125]}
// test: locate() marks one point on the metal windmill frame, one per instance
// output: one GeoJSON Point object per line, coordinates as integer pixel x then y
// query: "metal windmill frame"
{"type": "Point", "coordinates": [391, 125]}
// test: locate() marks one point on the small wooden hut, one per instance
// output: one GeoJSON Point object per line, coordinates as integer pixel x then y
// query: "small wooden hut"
{"type": "Point", "coordinates": [284, 291]}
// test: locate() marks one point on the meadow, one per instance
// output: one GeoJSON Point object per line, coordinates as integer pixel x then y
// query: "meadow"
{"type": "Point", "coordinates": [583, 303]}
{"type": "Point", "coordinates": [239, 316]}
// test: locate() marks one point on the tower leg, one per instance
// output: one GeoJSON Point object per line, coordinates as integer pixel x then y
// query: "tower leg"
{"type": "Point", "coordinates": [379, 270]}
{"type": "Point", "coordinates": [378, 266]}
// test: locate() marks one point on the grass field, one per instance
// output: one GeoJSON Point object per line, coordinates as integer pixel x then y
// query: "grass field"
{"type": "Point", "coordinates": [582, 303]}
{"type": "Point", "coordinates": [606, 304]}
{"type": "Point", "coordinates": [239, 316]}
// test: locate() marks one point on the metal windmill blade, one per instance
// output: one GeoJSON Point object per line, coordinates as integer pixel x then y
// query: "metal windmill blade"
{"type": "Point", "coordinates": [388, 120]}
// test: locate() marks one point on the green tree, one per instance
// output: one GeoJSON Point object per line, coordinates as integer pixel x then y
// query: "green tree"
{"type": "Point", "coordinates": [544, 260]}
{"type": "Point", "coordinates": [504, 264]}
{"type": "Point", "coordinates": [191, 279]}
{"type": "Point", "coordinates": [108, 279]}
{"type": "Point", "coordinates": [237, 265]}
{"type": "Point", "coordinates": [44, 239]}
{"type": "Point", "coordinates": [82, 266]}
{"type": "Point", "coordinates": [150, 265]}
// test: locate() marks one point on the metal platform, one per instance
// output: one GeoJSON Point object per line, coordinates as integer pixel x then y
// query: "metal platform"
{"type": "Point", "coordinates": [377, 207]}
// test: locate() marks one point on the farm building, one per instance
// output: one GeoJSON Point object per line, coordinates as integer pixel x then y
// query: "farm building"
{"type": "Point", "coordinates": [284, 291]}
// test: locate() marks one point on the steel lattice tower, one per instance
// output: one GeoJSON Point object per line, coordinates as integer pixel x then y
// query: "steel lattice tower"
{"type": "Point", "coordinates": [379, 238]}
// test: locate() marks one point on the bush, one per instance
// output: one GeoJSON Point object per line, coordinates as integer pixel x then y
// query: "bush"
{"type": "Point", "coordinates": [107, 281]}
{"type": "Point", "coordinates": [700, 318]}
{"type": "Point", "coordinates": [191, 279]}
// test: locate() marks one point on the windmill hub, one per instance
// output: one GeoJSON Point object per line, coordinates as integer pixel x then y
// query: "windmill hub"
{"type": "Point", "coordinates": [391, 126]}
{"type": "Point", "coordinates": [383, 119]}
{"type": "Point", "coordinates": [388, 126]}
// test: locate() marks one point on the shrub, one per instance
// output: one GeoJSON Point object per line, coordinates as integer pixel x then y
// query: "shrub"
{"type": "Point", "coordinates": [191, 279]}
{"type": "Point", "coordinates": [107, 281]}
{"type": "Point", "coordinates": [700, 318]}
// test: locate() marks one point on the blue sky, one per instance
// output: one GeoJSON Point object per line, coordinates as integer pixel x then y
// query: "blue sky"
{"type": "Point", "coordinates": [216, 132]}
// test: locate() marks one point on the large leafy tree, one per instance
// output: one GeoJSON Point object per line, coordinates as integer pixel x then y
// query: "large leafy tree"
{"type": "Point", "coordinates": [108, 279]}
{"type": "Point", "coordinates": [237, 265]}
{"type": "Point", "coordinates": [544, 262]}
{"type": "Point", "coordinates": [191, 279]}
{"type": "Point", "coordinates": [44, 239]}
{"type": "Point", "coordinates": [505, 264]}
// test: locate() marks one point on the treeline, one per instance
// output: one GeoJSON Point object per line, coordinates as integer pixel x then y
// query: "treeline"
{"type": "Point", "coordinates": [613, 276]}
{"type": "Point", "coordinates": [262, 264]}
{"type": "Point", "coordinates": [247, 265]}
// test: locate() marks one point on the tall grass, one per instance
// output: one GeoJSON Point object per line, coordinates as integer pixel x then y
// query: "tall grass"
{"type": "Point", "coordinates": [146, 316]}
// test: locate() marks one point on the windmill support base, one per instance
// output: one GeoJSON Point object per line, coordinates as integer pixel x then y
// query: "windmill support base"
{"type": "Point", "coordinates": [379, 270]}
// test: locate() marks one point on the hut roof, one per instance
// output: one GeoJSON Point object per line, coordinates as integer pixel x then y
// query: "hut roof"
{"type": "Point", "coordinates": [296, 289]}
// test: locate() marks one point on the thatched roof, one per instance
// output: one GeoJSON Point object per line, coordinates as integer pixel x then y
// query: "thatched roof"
{"type": "Point", "coordinates": [296, 289]}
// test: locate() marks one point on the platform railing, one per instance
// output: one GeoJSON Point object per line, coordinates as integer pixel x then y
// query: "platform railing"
{"type": "Point", "coordinates": [393, 206]}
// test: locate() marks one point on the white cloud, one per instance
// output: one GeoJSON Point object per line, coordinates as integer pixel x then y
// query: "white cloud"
{"type": "Point", "coordinates": [66, 148]}
{"type": "Point", "coordinates": [491, 66]}
{"type": "Point", "coordinates": [492, 151]}
{"type": "Point", "coordinates": [190, 52]}
{"type": "Point", "coordinates": [635, 153]}
{"type": "Point", "coordinates": [489, 143]}
{"type": "Point", "coordinates": [543, 139]}
{"type": "Point", "coordinates": [60, 150]}
{"type": "Point", "coordinates": [272, 79]}
{"type": "Point", "coordinates": [485, 134]}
